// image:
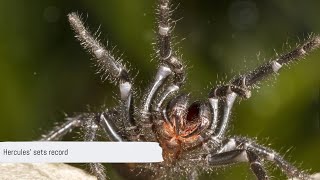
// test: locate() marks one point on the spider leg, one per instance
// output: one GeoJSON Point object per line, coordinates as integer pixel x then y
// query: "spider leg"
{"type": "Point", "coordinates": [241, 86]}
{"type": "Point", "coordinates": [170, 64]}
{"type": "Point", "coordinates": [90, 135]}
{"type": "Point", "coordinates": [107, 64]}
{"type": "Point", "coordinates": [165, 50]}
{"type": "Point", "coordinates": [244, 83]}
{"type": "Point", "coordinates": [161, 76]}
{"type": "Point", "coordinates": [225, 116]}
{"type": "Point", "coordinates": [105, 121]}
{"type": "Point", "coordinates": [238, 155]}
{"type": "Point", "coordinates": [61, 130]}
{"type": "Point", "coordinates": [241, 149]}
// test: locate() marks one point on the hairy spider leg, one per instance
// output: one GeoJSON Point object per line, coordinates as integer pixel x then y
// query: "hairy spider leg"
{"type": "Point", "coordinates": [107, 64]}
{"type": "Point", "coordinates": [242, 85]}
{"type": "Point", "coordinates": [240, 149]}
{"type": "Point", "coordinates": [90, 135]}
{"type": "Point", "coordinates": [61, 130]}
{"type": "Point", "coordinates": [227, 95]}
{"type": "Point", "coordinates": [239, 155]}
{"type": "Point", "coordinates": [169, 65]}
{"type": "Point", "coordinates": [114, 69]}
{"type": "Point", "coordinates": [90, 122]}
{"type": "Point", "coordinates": [106, 121]}
{"type": "Point", "coordinates": [165, 52]}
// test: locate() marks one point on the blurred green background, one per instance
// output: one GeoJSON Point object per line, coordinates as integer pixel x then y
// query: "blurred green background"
{"type": "Point", "coordinates": [44, 71]}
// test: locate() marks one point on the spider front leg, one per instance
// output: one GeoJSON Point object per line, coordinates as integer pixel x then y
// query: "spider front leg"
{"type": "Point", "coordinates": [241, 149]}
{"type": "Point", "coordinates": [107, 64]}
{"type": "Point", "coordinates": [242, 85]}
{"type": "Point", "coordinates": [117, 72]}
{"type": "Point", "coordinates": [165, 51]}
{"type": "Point", "coordinates": [169, 65]}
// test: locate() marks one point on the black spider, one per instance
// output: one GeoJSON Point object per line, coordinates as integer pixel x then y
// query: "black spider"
{"type": "Point", "coordinates": [192, 135]}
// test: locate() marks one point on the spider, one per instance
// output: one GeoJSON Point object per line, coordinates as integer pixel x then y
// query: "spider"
{"type": "Point", "coordinates": [193, 135]}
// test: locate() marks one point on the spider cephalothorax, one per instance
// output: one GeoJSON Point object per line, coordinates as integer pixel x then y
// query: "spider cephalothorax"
{"type": "Point", "coordinates": [192, 134]}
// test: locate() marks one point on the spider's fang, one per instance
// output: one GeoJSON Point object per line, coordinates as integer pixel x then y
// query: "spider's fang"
{"type": "Point", "coordinates": [214, 106]}
{"type": "Point", "coordinates": [229, 100]}
{"type": "Point", "coordinates": [106, 122]}
{"type": "Point", "coordinates": [169, 91]}
{"type": "Point", "coordinates": [162, 74]}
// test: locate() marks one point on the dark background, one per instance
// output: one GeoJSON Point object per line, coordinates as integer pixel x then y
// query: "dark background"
{"type": "Point", "coordinates": [44, 71]}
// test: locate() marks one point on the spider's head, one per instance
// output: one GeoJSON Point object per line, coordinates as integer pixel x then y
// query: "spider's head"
{"type": "Point", "coordinates": [183, 126]}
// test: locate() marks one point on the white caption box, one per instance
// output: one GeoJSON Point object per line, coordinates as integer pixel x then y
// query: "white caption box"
{"type": "Point", "coordinates": [79, 152]}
